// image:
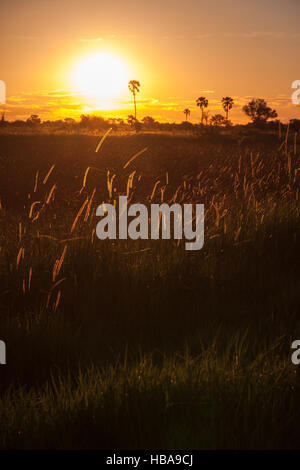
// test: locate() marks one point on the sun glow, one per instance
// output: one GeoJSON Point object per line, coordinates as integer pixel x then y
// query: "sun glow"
{"type": "Point", "coordinates": [102, 76]}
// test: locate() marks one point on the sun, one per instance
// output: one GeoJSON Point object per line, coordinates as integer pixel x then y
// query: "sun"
{"type": "Point", "coordinates": [101, 75]}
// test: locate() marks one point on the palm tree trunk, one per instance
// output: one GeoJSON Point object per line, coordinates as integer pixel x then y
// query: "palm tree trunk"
{"type": "Point", "coordinates": [134, 105]}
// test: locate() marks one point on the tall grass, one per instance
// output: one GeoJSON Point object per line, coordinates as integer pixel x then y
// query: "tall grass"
{"type": "Point", "coordinates": [141, 343]}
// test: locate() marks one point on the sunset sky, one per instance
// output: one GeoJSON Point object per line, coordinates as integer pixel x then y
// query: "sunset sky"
{"type": "Point", "coordinates": [52, 51]}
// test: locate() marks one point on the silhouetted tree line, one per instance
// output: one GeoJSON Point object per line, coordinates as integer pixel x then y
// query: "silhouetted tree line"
{"type": "Point", "coordinates": [257, 110]}
{"type": "Point", "coordinates": [148, 123]}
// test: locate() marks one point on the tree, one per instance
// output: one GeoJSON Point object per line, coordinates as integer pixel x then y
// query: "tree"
{"type": "Point", "coordinates": [33, 120]}
{"type": "Point", "coordinates": [202, 102]}
{"type": "Point", "coordinates": [218, 120]}
{"type": "Point", "coordinates": [295, 124]}
{"type": "Point", "coordinates": [227, 104]}
{"type": "Point", "coordinates": [133, 122]}
{"type": "Point", "coordinates": [187, 113]}
{"type": "Point", "coordinates": [258, 111]}
{"type": "Point", "coordinates": [205, 117]}
{"type": "Point", "coordinates": [134, 88]}
{"type": "Point", "coordinates": [69, 121]}
{"type": "Point", "coordinates": [149, 122]}
{"type": "Point", "coordinates": [84, 120]}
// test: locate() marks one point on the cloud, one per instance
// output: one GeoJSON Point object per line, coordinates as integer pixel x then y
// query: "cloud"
{"type": "Point", "coordinates": [200, 36]}
{"type": "Point", "coordinates": [61, 103]}
{"type": "Point", "coordinates": [204, 36]}
{"type": "Point", "coordinates": [99, 39]}
{"type": "Point", "coordinates": [207, 91]}
{"type": "Point", "coordinates": [48, 104]}
{"type": "Point", "coordinates": [262, 34]}
{"type": "Point", "coordinates": [107, 36]}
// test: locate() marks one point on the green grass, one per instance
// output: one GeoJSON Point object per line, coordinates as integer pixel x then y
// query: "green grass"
{"type": "Point", "coordinates": [206, 402]}
{"type": "Point", "coordinates": [143, 344]}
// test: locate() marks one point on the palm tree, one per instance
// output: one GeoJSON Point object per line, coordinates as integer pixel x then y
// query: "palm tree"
{"type": "Point", "coordinates": [206, 116]}
{"type": "Point", "coordinates": [187, 112]}
{"type": "Point", "coordinates": [227, 104]}
{"type": "Point", "coordinates": [134, 88]}
{"type": "Point", "coordinates": [202, 102]}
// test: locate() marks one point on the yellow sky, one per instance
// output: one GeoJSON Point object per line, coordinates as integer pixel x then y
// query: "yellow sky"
{"type": "Point", "coordinates": [177, 50]}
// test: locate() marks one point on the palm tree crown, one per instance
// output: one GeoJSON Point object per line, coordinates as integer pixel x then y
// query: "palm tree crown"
{"type": "Point", "coordinates": [187, 112]}
{"type": "Point", "coordinates": [227, 104]}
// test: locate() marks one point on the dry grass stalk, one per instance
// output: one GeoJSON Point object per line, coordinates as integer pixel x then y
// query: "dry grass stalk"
{"type": "Point", "coordinates": [134, 157]}
{"type": "Point", "coordinates": [48, 174]}
{"type": "Point", "coordinates": [84, 179]}
{"type": "Point", "coordinates": [102, 140]}
{"type": "Point", "coordinates": [88, 209]}
{"type": "Point", "coordinates": [79, 214]}
{"type": "Point", "coordinates": [20, 255]}
{"type": "Point", "coordinates": [51, 192]}
{"type": "Point", "coordinates": [154, 189]}
{"type": "Point", "coordinates": [36, 181]}
{"type": "Point", "coordinates": [32, 207]}
{"type": "Point", "coordinates": [58, 264]}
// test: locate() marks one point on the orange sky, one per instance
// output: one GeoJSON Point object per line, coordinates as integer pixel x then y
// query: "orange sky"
{"type": "Point", "coordinates": [177, 50]}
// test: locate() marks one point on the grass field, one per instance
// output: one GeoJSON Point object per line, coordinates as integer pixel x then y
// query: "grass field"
{"type": "Point", "coordinates": [141, 344]}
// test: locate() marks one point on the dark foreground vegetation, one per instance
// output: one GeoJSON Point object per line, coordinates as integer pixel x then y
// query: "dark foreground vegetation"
{"type": "Point", "coordinates": [141, 344]}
